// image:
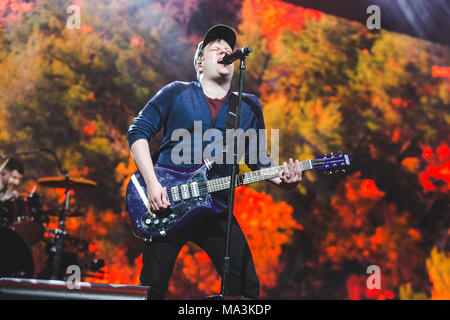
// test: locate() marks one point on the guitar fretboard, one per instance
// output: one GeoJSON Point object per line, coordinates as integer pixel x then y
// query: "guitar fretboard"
{"type": "Point", "coordinates": [224, 183]}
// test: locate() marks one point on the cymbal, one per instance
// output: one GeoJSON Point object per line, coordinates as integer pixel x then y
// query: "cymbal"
{"type": "Point", "coordinates": [57, 213]}
{"type": "Point", "coordinates": [66, 182]}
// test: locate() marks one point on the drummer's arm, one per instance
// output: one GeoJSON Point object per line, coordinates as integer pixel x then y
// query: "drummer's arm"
{"type": "Point", "coordinates": [2, 186]}
{"type": "Point", "coordinates": [8, 194]}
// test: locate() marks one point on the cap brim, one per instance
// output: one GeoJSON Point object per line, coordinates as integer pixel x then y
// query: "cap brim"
{"type": "Point", "coordinates": [220, 31]}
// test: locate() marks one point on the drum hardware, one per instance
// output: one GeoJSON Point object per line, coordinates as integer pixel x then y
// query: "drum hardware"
{"type": "Point", "coordinates": [75, 241]}
{"type": "Point", "coordinates": [22, 220]}
{"type": "Point", "coordinates": [95, 266]}
{"type": "Point", "coordinates": [4, 163]}
{"type": "Point", "coordinates": [23, 214]}
{"type": "Point", "coordinates": [68, 183]}
{"type": "Point", "coordinates": [75, 252]}
{"type": "Point", "coordinates": [57, 213]}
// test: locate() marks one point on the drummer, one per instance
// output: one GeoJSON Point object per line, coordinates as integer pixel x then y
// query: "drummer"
{"type": "Point", "coordinates": [10, 177]}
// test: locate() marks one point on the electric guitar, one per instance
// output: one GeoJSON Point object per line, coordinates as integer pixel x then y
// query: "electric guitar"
{"type": "Point", "coordinates": [189, 192]}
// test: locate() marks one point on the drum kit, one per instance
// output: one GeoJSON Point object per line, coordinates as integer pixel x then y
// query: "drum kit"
{"type": "Point", "coordinates": [24, 223]}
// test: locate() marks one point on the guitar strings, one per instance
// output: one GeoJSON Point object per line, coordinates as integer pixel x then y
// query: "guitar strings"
{"type": "Point", "coordinates": [214, 185]}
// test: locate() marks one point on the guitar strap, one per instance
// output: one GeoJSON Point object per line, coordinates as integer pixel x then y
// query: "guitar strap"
{"type": "Point", "coordinates": [231, 115]}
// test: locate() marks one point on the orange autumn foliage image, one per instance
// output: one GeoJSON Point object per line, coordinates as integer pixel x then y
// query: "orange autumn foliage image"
{"type": "Point", "coordinates": [325, 84]}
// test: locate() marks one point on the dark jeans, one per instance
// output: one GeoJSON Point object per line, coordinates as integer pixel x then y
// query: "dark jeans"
{"type": "Point", "coordinates": [209, 233]}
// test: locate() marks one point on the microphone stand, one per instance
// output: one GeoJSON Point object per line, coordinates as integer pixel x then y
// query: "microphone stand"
{"type": "Point", "coordinates": [231, 192]}
{"type": "Point", "coordinates": [60, 234]}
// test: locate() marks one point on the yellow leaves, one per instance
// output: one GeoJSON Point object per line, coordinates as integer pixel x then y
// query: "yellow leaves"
{"type": "Point", "coordinates": [318, 120]}
{"type": "Point", "coordinates": [272, 17]}
{"type": "Point", "coordinates": [438, 265]}
{"type": "Point", "coordinates": [98, 145]}
{"type": "Point", "coordinates": [406, 293]}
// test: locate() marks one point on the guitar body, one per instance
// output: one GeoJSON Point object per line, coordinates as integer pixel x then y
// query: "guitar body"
{"type": "Point", "coordinates": [180, 212]}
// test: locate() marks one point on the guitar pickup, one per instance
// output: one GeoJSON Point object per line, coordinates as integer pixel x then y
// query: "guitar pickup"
{"type": "Point", "coordinates": [194, 189]}
{"type": "Point", "coordinates": [185, 191]}
{"type": "Point", "coordinates": [175, 194]}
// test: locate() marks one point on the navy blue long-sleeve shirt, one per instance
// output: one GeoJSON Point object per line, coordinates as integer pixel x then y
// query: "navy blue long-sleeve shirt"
{"type": "Point", "coordinates": [183, 106]}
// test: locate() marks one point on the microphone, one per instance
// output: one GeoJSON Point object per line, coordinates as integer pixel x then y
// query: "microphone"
{"type": "Point", "coordinates": [238, 54]}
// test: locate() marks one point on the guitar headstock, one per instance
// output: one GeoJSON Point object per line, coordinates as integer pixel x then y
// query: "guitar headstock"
{"type": "Point", "coordinates": [332, 163]}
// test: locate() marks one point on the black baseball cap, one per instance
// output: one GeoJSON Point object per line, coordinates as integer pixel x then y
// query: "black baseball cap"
{"type": "Point", "coordinates": [219, 31]}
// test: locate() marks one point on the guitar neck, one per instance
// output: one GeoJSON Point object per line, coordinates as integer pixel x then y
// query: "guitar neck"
{"type": "Point", "coordinates": [224, 183]}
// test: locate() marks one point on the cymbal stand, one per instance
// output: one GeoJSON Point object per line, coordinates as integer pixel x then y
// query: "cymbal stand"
{"type": "Point", "coordinates": [59, 236]}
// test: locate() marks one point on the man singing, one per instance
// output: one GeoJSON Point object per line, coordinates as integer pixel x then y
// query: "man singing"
{"type": "Point", "coordinates": [177, 106]}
